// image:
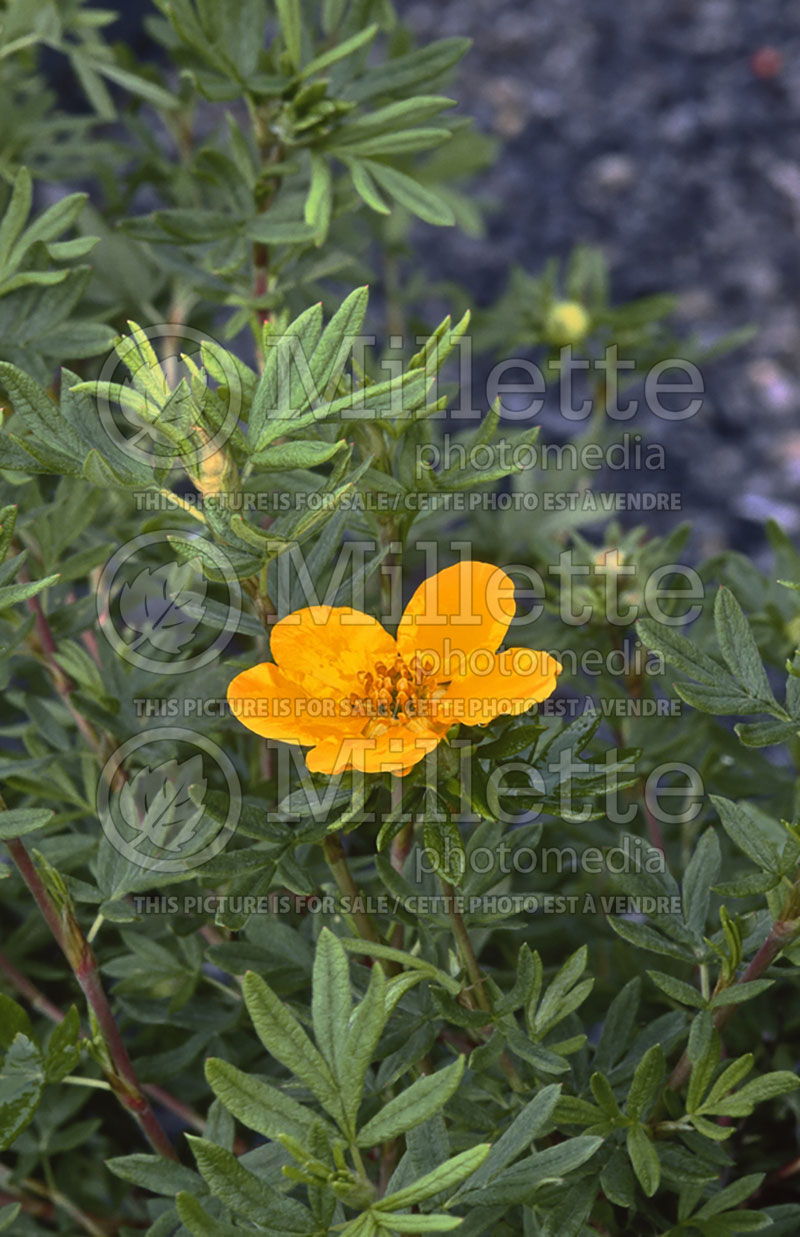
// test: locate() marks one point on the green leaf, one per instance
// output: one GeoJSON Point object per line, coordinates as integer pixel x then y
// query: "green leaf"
{"type": "Point", "coordinates": [765, 734]}
{"type": "Point", "coordinates": [21, 1086]}
{"type": "Point", "coordinates": [287, 455]}
{"type": "Point", "coordinates": [19, 821]}
{"type": "Point", "coordinates": [739, 647]}
{"type": "Point", "coordinates": [742, 1103]}
{"type": "Point", "coordinates": [646, 1083]}
{"type": "Point", "coordinates": [365, 186]}
{"type": "Point", "coordinates": [443, 1178]}
{"type": "Point", "coordinates": [291, 20]}
{"type": "Point", "coordinates": [401, 74]}
{"type": "Point", "coordinates": [336, 342]}
{"type": "Point", "coordinates": [16, 214]}
{"type": "Point", "coordinates": [604, 1095]}
{"type": "Point", "coordinates": [411, 1223]}
{"type": "Point", "coordinates": [681, 653]}
{"type": "Point", "coordinates": [732, 1196]}
{"type": "Point", "coordinates": [282, 1035]}
{"type": "Point", "coordinates": [257, 1104]}
{"type": "Point", "coordinates": [702, 872]}
{"type": "Point", "coordinates": [644, 937]}
{"type": "Point", "coordinates": [413, 1106]}
{"type": "Point", "coordinates": [141, 86]}
{"type": "Point", "coordinates": [444, 848]}
{"type": "Point", "coordinates": [375, 950]}
{"type": "Point", "coordinates": [736, 994]}
{"type": "Point", "coordinates": [618, 1025]}
{"type": "Point", "coordinates": [330, 1002]}
{"type": "Point", "coordinates": [154, 1173]}
{"type": "Point", "coordinates": [700, 1036]}
{"type": "Point", "coordinates": [644, 1159]}
{"type": "Point", "coordinates": [526, 1126]}
{"type": "Point", "coordinates": [561, 996]}
{"type": "Point", "coordinates": [361, 1038]}
{"type": "Point", "coordinates": [747, 831]}
{"type": "Point", "coordinates": [616, 1180]}
{"type": "Point", "coordinates": [520, 1182]}
{"type": "Point", "coordinates": [340, 51]}
{"type": "Point", "coordinates": [319, 202]}
{"type": "Point", "coordinates": [9, 1214]}
{"type": "Point", "coordinates": [246, 1194]}
{"type": "Point", "coordinates": [682, 992]}
{"type": "Point", "coordinates": [14, 593]}
{"type": "Point", "coordinates": [416, 198]}
{"type": "Point", "coordinates": [63, 1047]}
{"type": "Point", "coordinates": [724, 700]}
{"type": "Point", "coordinates": [13, 1021]}
{"type": "Point", "coordinates": [199, 1222]}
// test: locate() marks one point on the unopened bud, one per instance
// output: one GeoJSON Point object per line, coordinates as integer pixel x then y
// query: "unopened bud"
{"type": "Point", "coordinates": [566, 323]}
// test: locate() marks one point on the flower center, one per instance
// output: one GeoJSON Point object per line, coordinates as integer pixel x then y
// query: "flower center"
{"type": "Point", "coordinates": [394, 692]}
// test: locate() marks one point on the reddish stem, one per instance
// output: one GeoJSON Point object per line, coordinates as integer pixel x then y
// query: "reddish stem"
{"type": "Point", "coordinates": [780, 934]}
{"type": "Point", "coordinates": [79, 955]}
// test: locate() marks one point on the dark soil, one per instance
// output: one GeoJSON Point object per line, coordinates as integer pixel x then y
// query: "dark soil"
{"type": "Point", "coordinates": [668, 133]}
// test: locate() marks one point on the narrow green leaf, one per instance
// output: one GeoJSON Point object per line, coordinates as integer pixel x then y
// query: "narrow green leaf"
{"type": "Point", "coordinates": [681, 653]}
{"type": "Point", "coordinates": [246, 1194]}
{"type": "Point", "coordinates": [362, 1036]}
{"type": "Point", "coordinates": [282, 1036]}
{"type": "Point", "coordinates": [63, 1047]}
{"type": "Point", "coordinates": [375, 950]}
{"type": "Point", "coordinates": [680, 991]}
{"type": "Point", "coordinates": [19, 821]}
{"type": "Point", "coordinates": [451, 1173]}
{"type": "Point", "coordinates": [739, 647]}
{"type": "Point", "coordinates": [413, 1106]}
{"type": "Point", "coordinates": [330, 1001]}
{"type": "Point", "coordinates": [644, 1159]}
{"type": "Point", "coordinates": [154, 1173]}
{"type": "Point", "coordinates": [319, 202]}
{"type": "Point", "coordinates": [257, 1104]}
{"type": "Point", "coordinates": [527, 1125]}
{"type": "Point", "coordinates": [520, 1181]}
{"type": "Point", "coordinates": [702, 872]}
{"type": "Point", "coordinates": [416, 198]}
{"type": "Point", "coordinates": [748, 832]}
{"type": "Point", "coordinates": [291, 20]}
{"type": "Point", "coordinates": [339, 52]}
{"type": "Point", "coordinates": [646, 1083]}
{"type": "Point", "coordinates": [20, 1088]}
{"type": "Point", "coordinates": [17, 211]}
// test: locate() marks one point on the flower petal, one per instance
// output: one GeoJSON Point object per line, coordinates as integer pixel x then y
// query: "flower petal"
{"type": "Point", "coordinates": [329, 645]}
{"type": "Point", "coordinates": [516, 679]}
{"type": "Point", "coordinates": [397, 750]}
{"type": "Point", "coordinates": [274, 706]}
{"type": "Point", "coordinates": [466, 607]}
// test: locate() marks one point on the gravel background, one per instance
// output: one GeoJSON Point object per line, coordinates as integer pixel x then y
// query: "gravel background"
{"type": "Point", "coordinates": [668, 133]}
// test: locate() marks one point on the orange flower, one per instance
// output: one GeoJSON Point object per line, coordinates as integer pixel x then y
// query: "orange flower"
{"type": "Point", "coordinates": [362, 699]}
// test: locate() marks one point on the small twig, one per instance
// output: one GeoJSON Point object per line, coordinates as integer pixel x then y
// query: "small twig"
{"type": "Point", "coordinates": [337, 862]}
{"type": "Point", "coordinates": [467, 953]}
{"type": "Point", "coordinates": [781, 933]}
{"type": "Point", "coordinates": [78, 952]}
{"type": "Point", "coordinates": [51, 1196]}
{"type": "Point", "coordinates": [29, 990]}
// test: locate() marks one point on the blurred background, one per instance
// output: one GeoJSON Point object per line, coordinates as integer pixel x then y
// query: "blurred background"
{"type": "Point", "coordinates": [666, 132]}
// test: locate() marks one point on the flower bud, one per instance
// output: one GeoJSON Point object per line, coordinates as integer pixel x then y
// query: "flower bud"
{"type": "Point", "coordinates": [567, 322]}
